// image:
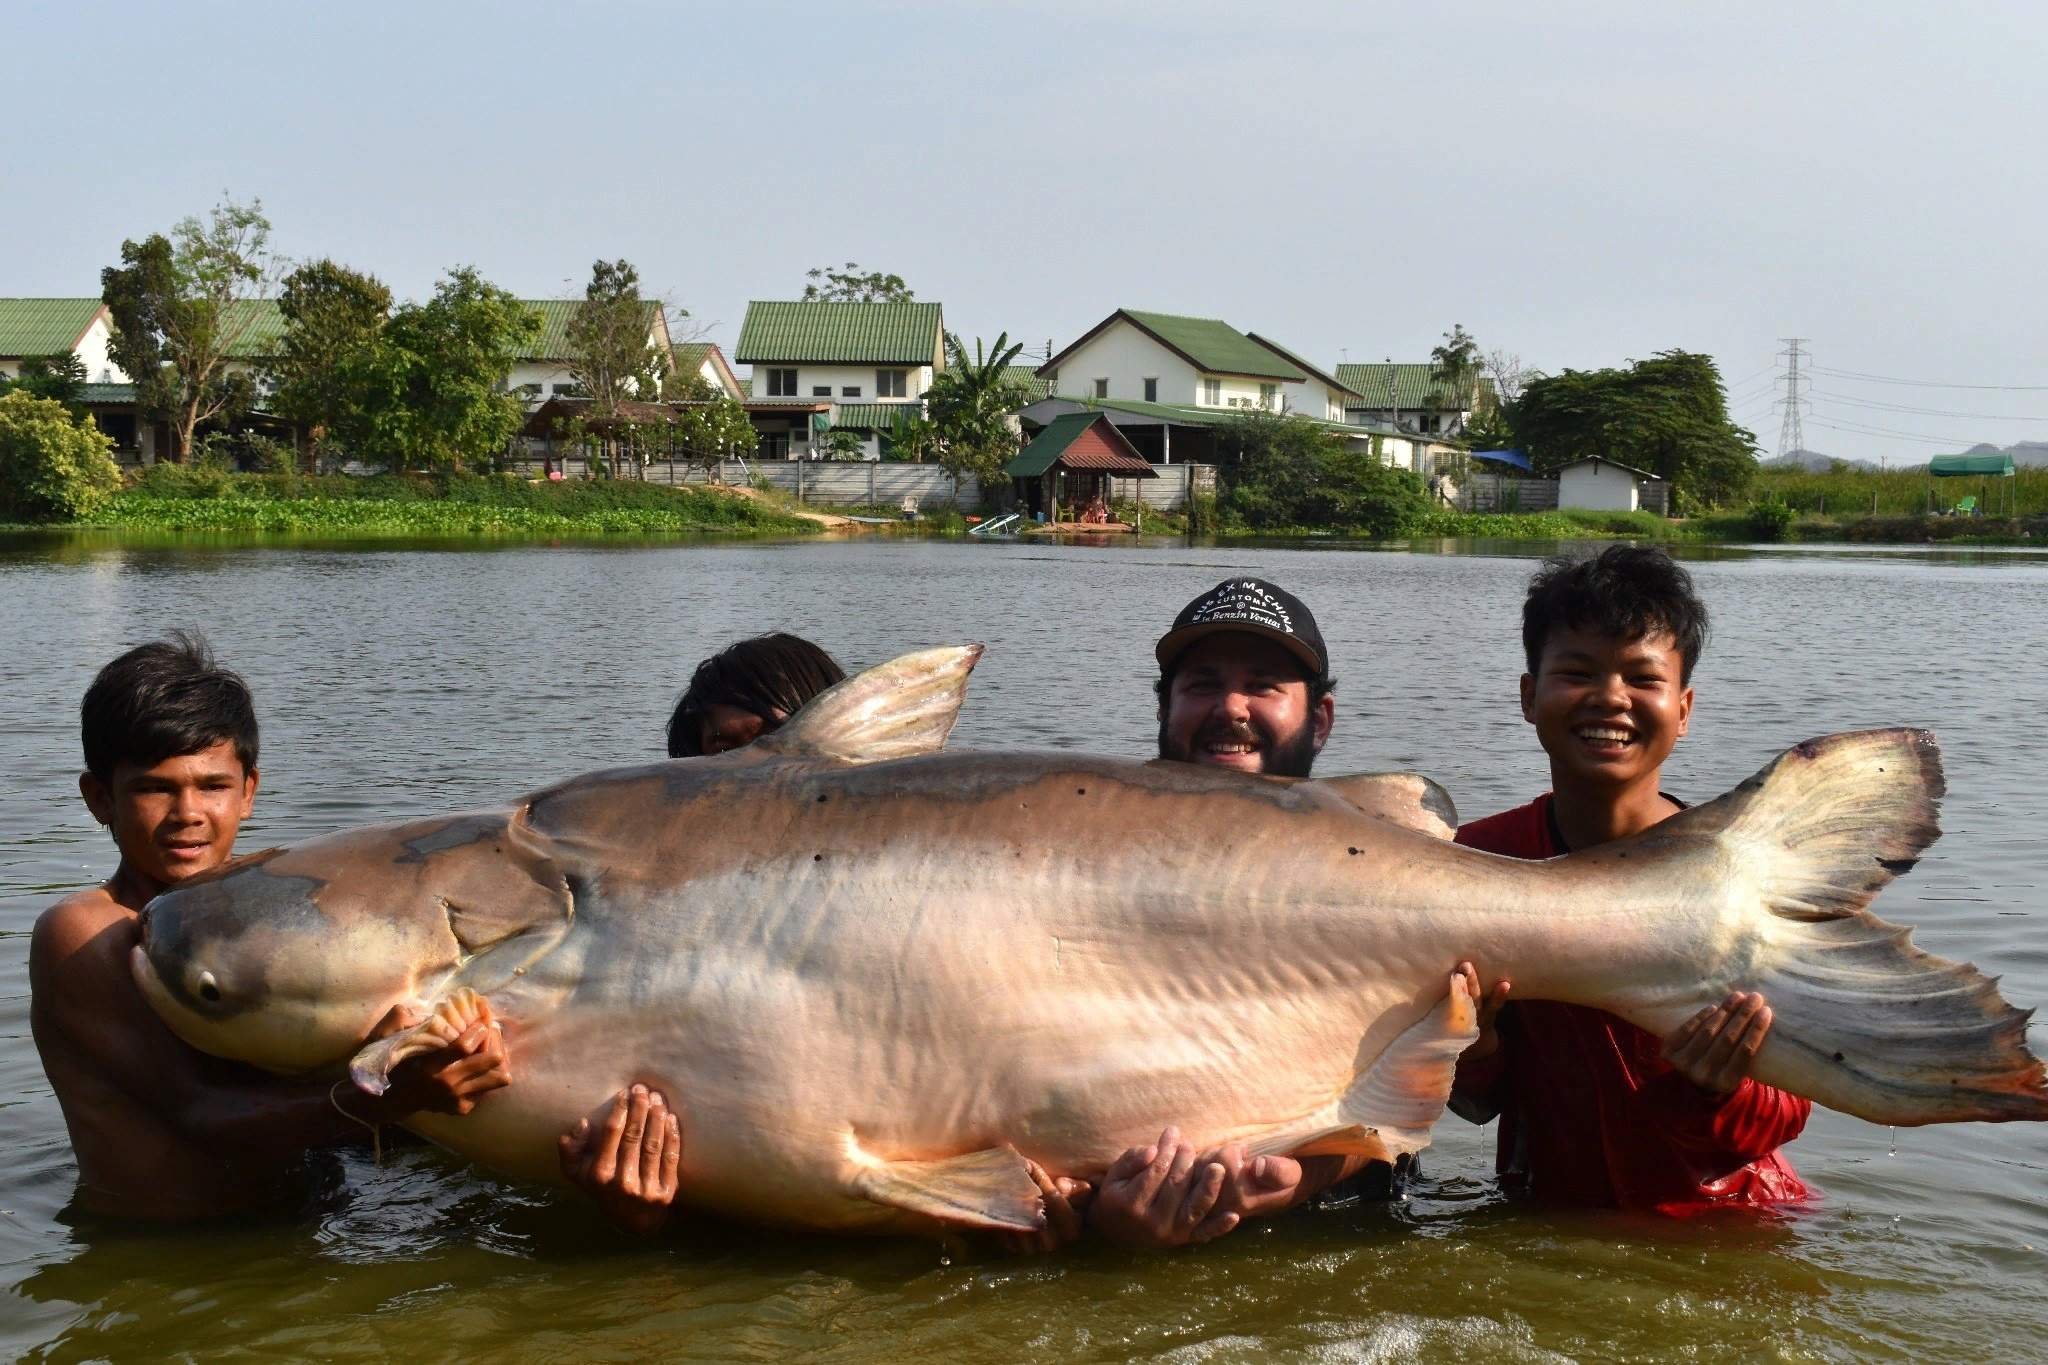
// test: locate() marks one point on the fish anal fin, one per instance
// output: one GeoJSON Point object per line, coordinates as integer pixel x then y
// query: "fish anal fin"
{"type": "Point", "coordinates": [1408, 800]}
{"type": "Point", "coordinates": [987, 1189]}
{"type": "Point", "coordinates": [898, 709]}
{"type": "Point", "coordinates": [450, 1017]}
{"type": "Point", "coordinates": [1389, 1109]}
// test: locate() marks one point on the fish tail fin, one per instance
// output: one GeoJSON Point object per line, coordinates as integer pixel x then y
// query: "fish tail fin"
{"type": "Point", "coordinates": [1863, 1021]}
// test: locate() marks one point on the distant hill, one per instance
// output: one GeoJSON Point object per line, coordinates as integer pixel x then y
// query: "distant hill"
{"type": "Point", "coordinates": [1813, 462]}
{"type": "Point", "coordinates": [2026, 454]}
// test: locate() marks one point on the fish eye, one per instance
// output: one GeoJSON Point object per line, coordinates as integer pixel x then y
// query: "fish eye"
{"type": "Point", "coordinates": [209, 989]}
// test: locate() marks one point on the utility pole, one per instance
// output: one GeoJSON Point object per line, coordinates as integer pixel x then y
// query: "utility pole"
{"type": "Point", "coordinates": [1792, 434]}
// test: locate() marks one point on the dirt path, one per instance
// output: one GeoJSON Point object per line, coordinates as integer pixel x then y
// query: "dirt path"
{"type": "Point", "coordinates": [822, 518]}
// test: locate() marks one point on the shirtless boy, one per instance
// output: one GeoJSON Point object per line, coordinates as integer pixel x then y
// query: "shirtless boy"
{"type": "Point", "coordinates": [160, 1130]}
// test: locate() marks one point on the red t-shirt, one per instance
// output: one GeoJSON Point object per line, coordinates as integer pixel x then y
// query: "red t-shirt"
{"type": "Point", "coordinates": [1591, 1113]}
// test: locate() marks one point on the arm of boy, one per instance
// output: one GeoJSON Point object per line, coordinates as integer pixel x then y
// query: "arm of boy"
{"type": "Point", "coordinates": [1482, 1066]}
{"type": "Point", "coordinates": [1730, 1114]}
{"type": "Point", "coordinates": [630, 1165]}
{"type": "Point", "coordinates": [82, 991]}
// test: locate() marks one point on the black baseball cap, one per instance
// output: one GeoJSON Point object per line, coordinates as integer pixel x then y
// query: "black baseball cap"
{"type": "Point", "coordinates": [1250, 606]}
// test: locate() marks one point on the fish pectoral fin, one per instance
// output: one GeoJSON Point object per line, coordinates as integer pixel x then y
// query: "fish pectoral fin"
{"type": "Point", "coordinates": [985, 1189]}
{"type": "Point", "coordinates": [371, 1068]}
{"type": "Point", "coordinates": [898, 709]}
{"type": "Point", "coordinates": [1409, 800]}
{"type": "Point", "coordinates": [1353, 1139]}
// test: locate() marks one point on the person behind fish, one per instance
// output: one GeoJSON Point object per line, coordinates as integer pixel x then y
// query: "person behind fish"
{"type": "Point", "coordinates": [747, 690]}
{"type": "Point", "coordinates": [1244, 683]}
{"type": "Point", "coordinates": [160, 1131]}
{"type": "Point", "coordinates": [1593, 1110]}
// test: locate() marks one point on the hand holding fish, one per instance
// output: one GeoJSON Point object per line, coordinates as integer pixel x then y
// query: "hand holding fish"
{"type": "Point", "coordinates": [1715, 1048]}
{"type": "Point", "coordinates": [1066, 1203]}
{"type": "Point", "coordinates": [1162, 1196]}
{"type": "Point", "coordinates": [630, 1165]}
{"type": "Point", "coordinates": [1490, 1004]}
{"type": "Point", "coordinates": [450, 1079]}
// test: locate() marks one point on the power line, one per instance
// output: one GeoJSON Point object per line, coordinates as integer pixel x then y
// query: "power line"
{"type": "Point", "coordinates": [1927, 383]}
{"type": "Point", "coordinates": [1921, 412]}
{"type": "Point", "coordinates": [1853, 429]}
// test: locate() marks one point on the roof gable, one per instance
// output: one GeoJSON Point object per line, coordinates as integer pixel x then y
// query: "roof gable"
{"type": "Point", "coordinates": [1209, 344]}
{"type": "Point", "coordinates": [557, 314]}
{"type": "Point", "coordinates": [821, 333]}
{"type": "Point", "coordinates": [1411, 385]}
{"type": "Point", "coordinates": [1331, 380]}
{"type": "Point", "coordinates": [39, 327]}
{"type": "Point", "coordinates": [1058, 438]}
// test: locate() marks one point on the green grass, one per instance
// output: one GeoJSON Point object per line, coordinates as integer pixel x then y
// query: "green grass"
{"type": "Point", "coordinates": [174, 498]}
{"type": "Point", "coordinates": [1853, 493]}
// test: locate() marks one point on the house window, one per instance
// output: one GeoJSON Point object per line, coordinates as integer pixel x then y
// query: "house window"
{"type": "Point", "coordinates": [1102, 388]}
{"type": "Point", "coordinates": [1152, 391]}
{"type": "Point", "coordinates": [1269, 395]}
{"type": "Point", "coordinates": [891, 383]}
{"type": "Point", "coordinates": [821, 390]}
{"type": "Point", "coordinates": [1212, 392]}
{"type": "Point", "coordinates": [1429, 422]}
{"type": "Point", "coordinates": [568, 390]}
{"type": "Point", "coordinates": [782, 383]}
{"type": "Point", "coordinates": [850, 391]}
{"type": "Point", "coordinates": [528, 391]}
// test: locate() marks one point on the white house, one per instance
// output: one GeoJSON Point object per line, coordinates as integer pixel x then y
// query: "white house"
{"type": "Point", "coordinates": [1320, 395]}
{"type": "Point", "coordinates": [545, 373]}
{"type": "Point", "coordinates": [1167, 358]}
{"type": "Point", "coordinates": [1599, 485]}
{"type": "Point", "coordinates": [1406, 396]}
{"type": "Point", "coordinates": [33, 328]}
{"type": "Point", "coordinates": [872, 362]}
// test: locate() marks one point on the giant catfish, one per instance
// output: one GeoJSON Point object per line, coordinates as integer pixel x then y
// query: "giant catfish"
{"type": "Point", "coordinates": [875, 977]}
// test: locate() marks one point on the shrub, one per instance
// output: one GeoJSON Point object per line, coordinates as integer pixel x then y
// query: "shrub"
{"type": "Point", "coordinates": [1770, 517]}
{"type": "Point", "coordinates": [52, 467]}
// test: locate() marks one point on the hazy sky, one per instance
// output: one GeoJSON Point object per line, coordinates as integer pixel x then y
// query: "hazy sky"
{"type": "Point", "coordinates": [1577, 183]}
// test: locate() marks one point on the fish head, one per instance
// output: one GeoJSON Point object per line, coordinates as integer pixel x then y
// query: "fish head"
{"type": "Point", "coordinates": [288, 959]}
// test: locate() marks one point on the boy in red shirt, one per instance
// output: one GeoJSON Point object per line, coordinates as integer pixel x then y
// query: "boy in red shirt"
{"type": "Point", "coordinates": [1593, 1110]}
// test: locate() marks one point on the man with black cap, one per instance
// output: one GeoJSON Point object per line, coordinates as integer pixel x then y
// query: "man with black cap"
{"type": "Point", "coordinates": [1244, 683]}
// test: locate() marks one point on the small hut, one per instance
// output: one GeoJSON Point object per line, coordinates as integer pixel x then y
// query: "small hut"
{"type": "Point", "coordinates": [1986, 467]}
{"type": "Point", "coordinates": [1069, 471]}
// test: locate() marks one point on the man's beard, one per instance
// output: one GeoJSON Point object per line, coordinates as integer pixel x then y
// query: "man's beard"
{"type": "Point", "coordinates": [1291, 757]}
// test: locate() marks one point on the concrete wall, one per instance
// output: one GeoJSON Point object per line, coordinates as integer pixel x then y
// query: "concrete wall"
{"type": "Point", "coordinates": [1597, 487]}
{"type": "Point", "coordinates": [1493, 493]}
{"type": "Point", "coordinates": [844, 483]}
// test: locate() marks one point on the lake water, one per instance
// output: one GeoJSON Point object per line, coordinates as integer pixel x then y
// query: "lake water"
{"type": "Point", "coordinates": [404, 683]}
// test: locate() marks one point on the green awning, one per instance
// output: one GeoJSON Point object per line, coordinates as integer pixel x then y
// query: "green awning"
{"type": "Point", "coordinates": [1973, 466]}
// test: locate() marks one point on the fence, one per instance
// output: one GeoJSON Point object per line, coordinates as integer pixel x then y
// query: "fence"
{"type": "Point", "coordinates": [1490, 493]}
{"type": "Point", "coordinates": [846, 482]}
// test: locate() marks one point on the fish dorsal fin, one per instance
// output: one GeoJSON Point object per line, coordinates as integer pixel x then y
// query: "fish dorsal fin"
{"type": "Point", "coordinates": [1409, 800]}
{"type": "Point", "coordinates": [898, 709]}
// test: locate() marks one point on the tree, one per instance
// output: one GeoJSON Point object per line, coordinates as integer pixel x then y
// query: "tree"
{"type": "Point", "coordinates": [611, 356]}
{"type": "Point", "coordinates": [1667, 415]}
{"type": "Point", "coordinates": [333, 320]}
{"type": "Point", "coordinates": [972, 405]}
{"type": "Point", "coordinates": [434, 389]}
{"type": "Point", "coordinates": [1455, 370]}
{"type": "Point", "coordinates": [1508, 374]}
{"type": "Point", "coordinates": [53, 466]}
{"type": "Point", "coordinates": [851, 285]}
{"type": "Point", "coordinates": [60, 378]}
{"type": "Point", "coordinates": [912, 438]}
{"type": "Point", "coordinates": [1281, 472]}
{"type": "Point", "coordinates": [182, 307]}
{"type": "Point", "coordinates": [712, 431]}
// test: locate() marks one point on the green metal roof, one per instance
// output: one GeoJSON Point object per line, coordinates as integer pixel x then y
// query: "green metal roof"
{"type": "Point", "coordinates": [39, 327]}
{"type": "Point", "coordinates": [1052, 442]}
{"type": "Point", "coordinates": [106, 395]}
{"type": "Point", "coordinates": [1213, 345]}
{"type": "Point", "coordinates": [1412, 384]}
{"type": "Point", "coordinates": [691, 355]}
{"type": "Point", "coordinates": [1998, 465]}
{"type": "Point", "coordinates": [1295, 360]}
{"type": "Point", "coordinates": [1027, 378]}
{"type": "Point", "coordinates": [264, 329]}
{"type": "Point", "coordinates": [841, 334]}
{"type": "Point", "coordinates": [874, 416]}
{"type": "Point", "coordinates": [1186, 414]}
{"type": "Point", "coordinates": [555, 317]}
